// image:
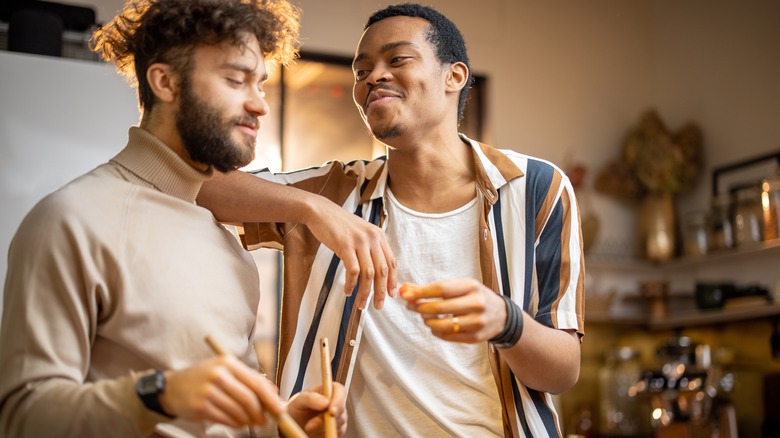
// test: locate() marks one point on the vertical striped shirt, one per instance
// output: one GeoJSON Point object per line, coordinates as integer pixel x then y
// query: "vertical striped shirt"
{"type": "Point", "coordinates": [530, 250]}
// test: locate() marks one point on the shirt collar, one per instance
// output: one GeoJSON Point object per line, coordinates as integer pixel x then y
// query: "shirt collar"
{"type": "Point", "coordinates": [493, 170]}
{"type": "Point", "coordinates": [153, 161]}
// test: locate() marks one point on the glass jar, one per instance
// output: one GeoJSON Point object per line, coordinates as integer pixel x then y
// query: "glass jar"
{"type": "Point", "coordinates": [770, 206]}
{"type": "Point", "coordinates": [748, 217]}
{"type": "Point", "coordinates": [721, 231]}
{"type": "Point", "coordinates": [696, 239]}
{"type": "Point", "coordinates": [619, 409]}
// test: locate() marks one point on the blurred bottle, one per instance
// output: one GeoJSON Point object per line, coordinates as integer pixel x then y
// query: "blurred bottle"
{"type": "Point", "coordinates": [721, 230]}
{"type": "Point", "coordinates": [620, 415]}
{"type": "Point", "coordinates": [748, 221]}
{"type": "Point", "coordinates": [695, 236]}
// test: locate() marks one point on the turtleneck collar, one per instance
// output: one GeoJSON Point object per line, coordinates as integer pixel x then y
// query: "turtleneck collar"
{"type": "Point", "coordinates": [151, 160]}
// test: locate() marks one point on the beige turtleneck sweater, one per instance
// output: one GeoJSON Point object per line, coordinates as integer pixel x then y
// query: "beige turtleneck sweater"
{"type": "Point", "coordinates": [118, 273]}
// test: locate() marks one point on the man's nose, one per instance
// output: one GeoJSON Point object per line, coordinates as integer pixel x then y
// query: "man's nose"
{"type": "Point", "coordinates": [256, 104]}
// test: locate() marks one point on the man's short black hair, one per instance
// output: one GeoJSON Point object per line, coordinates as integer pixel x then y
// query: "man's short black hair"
{"type": "Point", "coordinates": [443, 34]}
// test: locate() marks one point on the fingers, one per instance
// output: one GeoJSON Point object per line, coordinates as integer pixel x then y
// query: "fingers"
{"type": "Point", "coordinates": [367, 279]}
{"type": "Point", "coordinates": [307, 407]}
{"type": "Point", "coordinates": [458, 310]}
{"type": "Point", "coordinates": [445, 289]}
{"type": "Point", "coordinates": [338, 407]}
{"type": "Point", "coordinates": [449, 326]}
{"type": "Point", "coordinates": [222, 389]}
{"type": "Point", "coordinates": [232, 405]}
{"type": "Point", "coordinates": [242, 396]}
{"type": "Point", "coordinates": [456, 297]}
{"type": "Point", "coordinates": [360, 245]}
{"type": "Point", "coordinates": [370, 261]}
{"type": "Point", "coordinates": [263, 390]}
{"type": "Point", "coordinates": [381, 272]}
{"type": "Point", "coordinates": [391, 275]}
{"type": "Point", "coordinates": [352, 271]}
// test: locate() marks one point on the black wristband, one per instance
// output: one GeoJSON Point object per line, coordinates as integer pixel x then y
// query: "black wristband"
{"type": "Point", "coordinates": [513, 328]}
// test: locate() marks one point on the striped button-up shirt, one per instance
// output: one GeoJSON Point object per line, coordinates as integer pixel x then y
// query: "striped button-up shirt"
{"type": "Point", "coordinates": [530, 250]}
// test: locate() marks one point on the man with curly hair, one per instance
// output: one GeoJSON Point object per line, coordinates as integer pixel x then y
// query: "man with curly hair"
{"type": "Point", "coordinates": [489, 240]}
{"type": "Point", "coordinates": [115, 280]}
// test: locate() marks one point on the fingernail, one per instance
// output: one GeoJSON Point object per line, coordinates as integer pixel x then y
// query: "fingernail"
{"type": "Point", "coordinates": [380, 305]}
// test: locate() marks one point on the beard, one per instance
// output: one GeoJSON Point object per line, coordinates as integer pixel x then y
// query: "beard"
{"type": "Point", "coordinates": [207, 135]}
{"type": "Point", "coordinates": [385, 133]}
{"type": "Point", "coordinates": [382, 132]}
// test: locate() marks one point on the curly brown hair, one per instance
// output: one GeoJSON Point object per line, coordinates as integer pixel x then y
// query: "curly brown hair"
{"type": "Point", "coordinates": [150, 31]}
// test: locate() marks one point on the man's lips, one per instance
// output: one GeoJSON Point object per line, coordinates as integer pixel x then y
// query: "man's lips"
{"type": "Point", "coordinates": [380, 95]}
{"type": "Point", "coordinates": [249, 128]}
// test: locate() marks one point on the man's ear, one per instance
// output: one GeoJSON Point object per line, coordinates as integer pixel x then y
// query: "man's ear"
{"type": "Point", "coordinates": [163, 81]}
{"type": "Point", "coordinates": [457, 77]}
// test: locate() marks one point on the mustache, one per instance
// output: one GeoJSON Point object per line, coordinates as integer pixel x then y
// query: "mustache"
{"type": "Point", "coordinates": [380, 86]}
{"type": "Point", "coordinates": [383, 86]}
{"type": "Point", "coordinates": [247, 120]}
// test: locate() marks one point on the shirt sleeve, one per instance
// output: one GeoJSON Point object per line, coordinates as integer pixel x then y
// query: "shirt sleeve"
{"type": "Point", "coordinates": [333, 180]}
{"type": "Point", "coordinates": [560, 259]}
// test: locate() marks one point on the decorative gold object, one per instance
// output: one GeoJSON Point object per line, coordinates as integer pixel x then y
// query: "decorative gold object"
{"type": "Point", "coordinates": [655, 165]}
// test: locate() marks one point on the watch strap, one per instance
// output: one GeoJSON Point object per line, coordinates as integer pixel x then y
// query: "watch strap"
{"type": "Point", "coordinates": [149, 388]}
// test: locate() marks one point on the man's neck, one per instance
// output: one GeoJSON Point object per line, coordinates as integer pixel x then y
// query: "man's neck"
{"type": "Point", "coordinates": [433, 176]}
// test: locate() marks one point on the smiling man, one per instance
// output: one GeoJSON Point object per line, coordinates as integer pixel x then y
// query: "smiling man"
{"type": "Point", "coordinates": [115, 280]}
{"type": "Point", "coordinates": [492, 238]}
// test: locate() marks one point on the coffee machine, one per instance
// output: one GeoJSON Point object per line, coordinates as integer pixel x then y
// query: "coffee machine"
{"type": "Point", "coordinates": [688, 395]}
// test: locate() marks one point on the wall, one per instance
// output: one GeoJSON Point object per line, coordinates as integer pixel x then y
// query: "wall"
{"type": "Point", "coordinates": [58, 119]}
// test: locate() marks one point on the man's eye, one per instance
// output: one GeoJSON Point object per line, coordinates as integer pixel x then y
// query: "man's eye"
{"type": "Point", "coordinates": [359, 74]}
{"type": "Point", "coordinates": [235, 82]}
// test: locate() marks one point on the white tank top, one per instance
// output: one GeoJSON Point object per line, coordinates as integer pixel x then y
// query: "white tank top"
{"type": "Point", "coordinates": [406, 381]}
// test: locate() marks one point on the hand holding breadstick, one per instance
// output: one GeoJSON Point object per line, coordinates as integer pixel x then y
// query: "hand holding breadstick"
{"type": "Point", "coordinates": [461, 310]}
{"type": "Point", "coordinates": [270, 402]}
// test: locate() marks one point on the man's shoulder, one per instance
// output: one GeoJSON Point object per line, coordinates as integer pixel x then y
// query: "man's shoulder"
{"type": "Point", "coordinates": [81, 199]}
{"type": "Point", "coordinates": [529, 163]}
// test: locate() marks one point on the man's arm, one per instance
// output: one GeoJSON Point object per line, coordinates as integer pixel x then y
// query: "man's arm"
{"type": "Point", "coordinates": [240, 197]}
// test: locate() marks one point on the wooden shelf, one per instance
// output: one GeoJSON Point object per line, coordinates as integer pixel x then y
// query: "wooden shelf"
{"type": "Point", "coordinates": [714, 316]}
{"type": "Point", "coordinates": [633, 310]}
{"type": "Point", "coordinates": [690, 318]}
{"type": "Point", "coordinates": [622, 263]}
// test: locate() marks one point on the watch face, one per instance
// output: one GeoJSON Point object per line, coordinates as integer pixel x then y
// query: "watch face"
{"type": "Point", "coordinates": [151, 384]}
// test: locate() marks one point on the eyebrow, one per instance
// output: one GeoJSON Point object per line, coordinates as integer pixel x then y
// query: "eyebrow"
{"type": "Point", "coordinates": [385, 48]}
{"type": "Point", "coordinates": [244, 68]}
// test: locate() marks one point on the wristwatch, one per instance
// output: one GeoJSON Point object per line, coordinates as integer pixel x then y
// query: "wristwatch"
{"type": "Point", "coordinates": [149, 388]}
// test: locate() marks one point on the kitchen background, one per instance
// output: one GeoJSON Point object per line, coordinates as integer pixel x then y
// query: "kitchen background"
{"type": "Point", "coordinates": [565, 81]}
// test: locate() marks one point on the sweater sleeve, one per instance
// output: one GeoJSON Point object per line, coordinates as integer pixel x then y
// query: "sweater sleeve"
{"type": "Point", "coordinates": [55, 293]}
